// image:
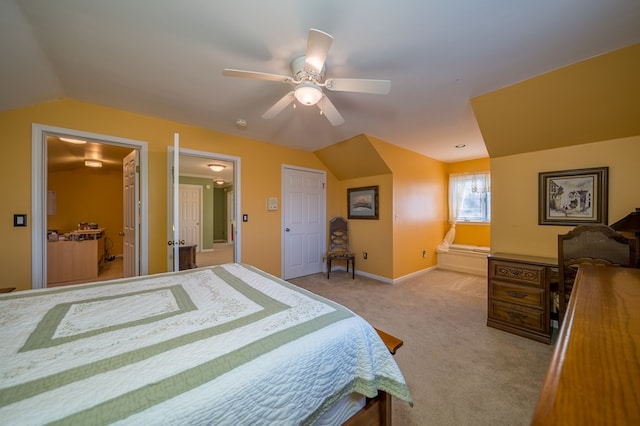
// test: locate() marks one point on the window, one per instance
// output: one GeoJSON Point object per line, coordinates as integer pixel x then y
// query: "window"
{"type": "Point", "coordinates": [470, 198]}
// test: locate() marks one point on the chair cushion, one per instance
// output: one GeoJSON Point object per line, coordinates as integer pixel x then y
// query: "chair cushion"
{"type": "Point", "coordinates": [340, 255]}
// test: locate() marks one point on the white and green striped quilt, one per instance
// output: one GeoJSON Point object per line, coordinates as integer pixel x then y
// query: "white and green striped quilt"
{"type": "Point", "coordinates": [228, 344]}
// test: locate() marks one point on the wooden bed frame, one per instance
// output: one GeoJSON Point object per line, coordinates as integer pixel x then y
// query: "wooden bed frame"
{"type": "Point", "coordinates": [377, 411]}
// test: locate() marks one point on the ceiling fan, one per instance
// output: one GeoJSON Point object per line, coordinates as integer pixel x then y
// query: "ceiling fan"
{"type": "Point", "coordinates": [308, 73]}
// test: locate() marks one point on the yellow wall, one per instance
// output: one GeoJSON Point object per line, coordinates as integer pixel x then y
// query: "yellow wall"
{"type": "Point", "coordinates": [514, 181]}
{"type": "Point", "coordinates": [88, 195]}
{"type": "Point", "coordinates": [261, 171]}
{"type": "Point", "coordinates": [589, 101]}
{"type": "Point", "coordinates": [418, 208]}
{"type": "Point", "coordinates": [373, 236]}
{"type": "Point", "coordinates": [472, 234]}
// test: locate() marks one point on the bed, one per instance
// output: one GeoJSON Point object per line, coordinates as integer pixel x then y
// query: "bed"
{"type": "Point", "coordinates": [228, 344]}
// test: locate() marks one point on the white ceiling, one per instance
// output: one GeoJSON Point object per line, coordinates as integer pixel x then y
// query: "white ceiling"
{"type": "Point", "coordinates": [165, 58]}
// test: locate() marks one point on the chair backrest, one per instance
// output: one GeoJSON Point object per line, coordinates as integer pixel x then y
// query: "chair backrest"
{"type": "Point", "coordinates": [338, 235]}
{"type": "Point", "coordinates": [597, 244]}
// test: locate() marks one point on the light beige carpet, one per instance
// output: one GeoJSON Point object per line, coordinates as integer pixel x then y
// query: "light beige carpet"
{"type": "Point", "coordinates": [221, 253]}
{"type": "Point", "coordinates": [459, 371]}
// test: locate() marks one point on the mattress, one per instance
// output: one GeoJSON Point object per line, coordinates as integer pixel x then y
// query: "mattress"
{"type": "Point", "coordinates": [229, 344]}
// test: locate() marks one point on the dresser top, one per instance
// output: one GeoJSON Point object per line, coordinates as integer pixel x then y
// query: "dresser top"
{"type": "Point", "coordinates": [544, 261]}
{"type": "Point", "coordinates": [594, 373]}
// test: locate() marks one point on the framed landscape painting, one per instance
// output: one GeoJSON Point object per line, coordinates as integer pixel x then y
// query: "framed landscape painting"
{"type": "Point", "coordinates": [363, 202]}
{"type": "Point", "coordinates": [573, 197]}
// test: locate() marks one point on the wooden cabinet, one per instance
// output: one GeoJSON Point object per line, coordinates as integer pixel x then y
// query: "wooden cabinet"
{"type": "Point", "coordinates": [74, 260]}
{"type": "Point", "coordinates": [519, 295]}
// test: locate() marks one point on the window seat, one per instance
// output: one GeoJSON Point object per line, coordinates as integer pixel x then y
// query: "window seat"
{"type": "Point", "coordinates": [464, 258]}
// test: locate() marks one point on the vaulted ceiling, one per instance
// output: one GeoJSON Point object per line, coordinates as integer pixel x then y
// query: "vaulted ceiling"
{"type": "Point", "coordinates": [165, 58]}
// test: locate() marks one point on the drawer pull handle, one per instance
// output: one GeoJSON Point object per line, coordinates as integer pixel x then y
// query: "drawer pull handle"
{"type": "Point", "coordinates": [517, 315]}
{"type": "Point", "coordinates": [517, 294]}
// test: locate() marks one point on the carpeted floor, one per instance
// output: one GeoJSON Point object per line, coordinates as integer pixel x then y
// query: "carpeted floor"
{"type": "Point", "coordinates": [459, 371]}
{"type": "Point", "coordinates": [221, 253]}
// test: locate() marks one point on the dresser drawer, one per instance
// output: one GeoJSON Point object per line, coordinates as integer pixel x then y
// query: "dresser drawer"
{"type": "Point", "coordinates": [522, 295]}
{"type": "Point", "coordinates": [532, 275]}
{"type": "Point", "coordinates": [518, 315]}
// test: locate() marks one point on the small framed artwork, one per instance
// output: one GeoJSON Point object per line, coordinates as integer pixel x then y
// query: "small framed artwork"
{"type": "Point", "coordinates": [363, 202]}
{"type": "Point", "coordinates": [573, 197]}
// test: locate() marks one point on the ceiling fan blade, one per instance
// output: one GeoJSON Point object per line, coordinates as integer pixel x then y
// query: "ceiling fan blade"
{"type": "Point", "coordinates": [228, 72]}
{"type": "Point", "coordinates": [329, 110]}
{"type": "Point", "coordinates": [318, 45]}
{"type": "Point", "coordinates": [279, 106]}
{"type": "Point", "coordinates": [376, 87]}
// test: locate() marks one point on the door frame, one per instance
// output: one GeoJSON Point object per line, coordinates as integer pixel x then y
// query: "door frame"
{"type": "Point", "coordinates": [231, 223]}
{"type": "Point", "coordinates": [39, 133]}
{"type": "Point", "coordinates": [171, 203]}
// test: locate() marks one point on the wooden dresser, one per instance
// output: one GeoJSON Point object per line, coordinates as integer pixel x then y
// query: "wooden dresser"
{"type": "Point", "coordinates": [519, 294]}
{"type": "Point", "coordinates": [187, 258]}
{"type": "Point", "coordinates": [594, 373]}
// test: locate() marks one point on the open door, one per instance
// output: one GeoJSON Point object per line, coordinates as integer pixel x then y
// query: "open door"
{"type": "Point", "coordinates": [173, 235]}
{"type": "Point", "coordinates": [130, 183]}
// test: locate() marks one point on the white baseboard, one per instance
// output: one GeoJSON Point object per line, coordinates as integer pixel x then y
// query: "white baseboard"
{"type": "Point", "coordinates": [384, 279]}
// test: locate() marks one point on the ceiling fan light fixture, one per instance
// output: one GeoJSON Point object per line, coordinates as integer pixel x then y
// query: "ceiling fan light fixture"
{"type": "Point", "coordinates": [308, 93]}
{"type": "Point", "coordinates": [216, 167]}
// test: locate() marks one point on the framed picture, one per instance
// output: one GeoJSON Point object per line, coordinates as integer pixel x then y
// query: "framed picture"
{"type": "Point", "coordinates": [363, 202]}
{"type": "Point", "coordinates": [573, 197]}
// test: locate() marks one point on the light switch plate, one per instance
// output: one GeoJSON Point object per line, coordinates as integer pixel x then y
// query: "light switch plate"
{"type": "Point", "coordinates": [19, 220]}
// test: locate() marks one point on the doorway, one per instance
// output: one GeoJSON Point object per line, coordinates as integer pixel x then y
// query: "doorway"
{"type": "Point", "coordinates": [102, 152]}
{"type": "Point", "coordinates": [217, 176]}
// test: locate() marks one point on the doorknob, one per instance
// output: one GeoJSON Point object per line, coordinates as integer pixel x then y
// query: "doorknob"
{"type": "Point", "coordinates": [287, 229]}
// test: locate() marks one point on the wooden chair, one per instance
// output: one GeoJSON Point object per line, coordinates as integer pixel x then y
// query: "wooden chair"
{"type": "Point", "coordinates": [339, 245]}
{"type": "Point", "coordinates": [595, 244]}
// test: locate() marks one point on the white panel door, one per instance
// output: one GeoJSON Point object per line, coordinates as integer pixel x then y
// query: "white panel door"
{"type": "Point", "coordinates": [304, 221]}
{"type": "Point", "coordinates": [130, 212]}
{"type": "Point", "coordinates": [190, 214]}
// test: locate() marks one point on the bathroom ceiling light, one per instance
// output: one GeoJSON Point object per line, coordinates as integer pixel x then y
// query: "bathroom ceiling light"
{"type": "Point", "coordinates": [74, 141]}
{"type": "Point", "coordinates": [216, 167]}
{"type": "Point", "coordinates": [93, 163]}
{"type": "Point", "coordinates": [219, 182]}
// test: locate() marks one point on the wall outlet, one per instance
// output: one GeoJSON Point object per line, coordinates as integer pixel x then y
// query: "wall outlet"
{"type": "Point", "coordinates": [364, 255]}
